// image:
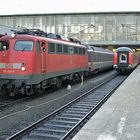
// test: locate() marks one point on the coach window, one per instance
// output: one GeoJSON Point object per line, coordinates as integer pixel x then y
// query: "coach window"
{"type": "Point", "coordinates": [98, 55]}
{"type": "Point", "coordinates": [51, 47]}
{"type": "Point", "coordinates": [107, 57]}
{"type": "Point", "coordinates": [95, 56]}
{"type": "Point", "coordinates": [4, 45]}
{"type": "Point", "coordinates": [59, 48]}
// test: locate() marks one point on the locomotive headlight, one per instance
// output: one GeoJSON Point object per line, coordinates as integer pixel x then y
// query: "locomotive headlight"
{"type": "Point", "coordinates": [23, 68]}
{"type": "Point", "coordinates": [13, 35]}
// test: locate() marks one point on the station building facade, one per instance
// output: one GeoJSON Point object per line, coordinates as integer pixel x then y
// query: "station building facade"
{"type": "Point", "coordinates": [114, 28]}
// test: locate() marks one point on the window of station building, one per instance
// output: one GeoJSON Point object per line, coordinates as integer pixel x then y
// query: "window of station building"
{"type": "Point", "coordinates": [4, 45]}
{"type": "Point", "coordinates": [65, 49]}
{"type": "Point", "coordinates": [51, 47]}
{"type": "Point", "coordinates": [59, 48]}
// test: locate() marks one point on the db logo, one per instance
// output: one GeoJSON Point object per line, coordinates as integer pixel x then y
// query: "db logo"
{"type": "Point", "coordinates": [8, 65]}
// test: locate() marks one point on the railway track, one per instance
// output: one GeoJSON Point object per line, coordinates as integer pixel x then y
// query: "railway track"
{"type": "Point", "coordinates": [62, 123]}
{"type": "Point", "coordinates": [7, 101]}
{"type": "Point", "coordinates": [10, 102]}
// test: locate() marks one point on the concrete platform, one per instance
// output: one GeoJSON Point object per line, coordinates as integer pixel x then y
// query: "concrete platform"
{"type": "Point", "coordinates": [119, 117]}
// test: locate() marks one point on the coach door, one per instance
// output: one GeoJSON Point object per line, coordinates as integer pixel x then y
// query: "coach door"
{"type": "Point", "coordinates": [43, 56]}
{"type": "Point", "coordinates": [123, 58]}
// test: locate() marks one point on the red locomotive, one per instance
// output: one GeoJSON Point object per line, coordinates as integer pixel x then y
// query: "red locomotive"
{"type": "Point", "coordinates": [125, 59]}
{"type": "Point", "coordinates": [30, 63]}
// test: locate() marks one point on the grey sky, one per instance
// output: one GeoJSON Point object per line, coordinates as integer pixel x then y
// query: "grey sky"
{"type": "Point", "coordinates": [9, 7]}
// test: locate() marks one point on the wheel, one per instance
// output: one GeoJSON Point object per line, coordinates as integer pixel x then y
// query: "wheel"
{"type": "Point", "coordinates": [12, 94]}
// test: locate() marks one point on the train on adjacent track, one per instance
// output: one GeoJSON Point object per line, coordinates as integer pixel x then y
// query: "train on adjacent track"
{"type": "Point", "coordinates": [31, 63]}
{"type": "Point", "coordinates": [125, 60]}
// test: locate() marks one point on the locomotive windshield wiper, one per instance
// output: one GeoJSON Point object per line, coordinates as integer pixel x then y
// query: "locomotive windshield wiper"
{"type": "Point", "coordinates": [23, 49]}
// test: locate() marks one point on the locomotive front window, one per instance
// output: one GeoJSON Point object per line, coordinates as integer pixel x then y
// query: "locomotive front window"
{"type": "Point", "coordinates": [23, 45]}
{"type": "Point", "coordinates": [4, 45]}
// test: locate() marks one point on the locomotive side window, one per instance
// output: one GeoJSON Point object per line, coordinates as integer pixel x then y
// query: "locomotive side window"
{"type": "Point", "coordinates": [83, 51]}
{"type": "Point", "coordinates": [65, 49]}
{"type": "Point", "coordinates": [38, 47]}
{"type": "Point", "coordinates": [22, 45]}
{"type": "Point", "coordinates": [59, 48]}
{"type": "Point", "coordinates": [71, 50]}
{"type": "Point", "coordinates": [80, 50]}
{"type": "Point", "coordinates": [75, 50]}
{"type": "Point", "coordinates": [51, 47]}
{"type": "Point", "coordinates": [43, 46]}
{"type": "Point", "coordinates": [4, 45]}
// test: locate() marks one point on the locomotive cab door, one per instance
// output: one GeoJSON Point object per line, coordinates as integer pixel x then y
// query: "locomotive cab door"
{"type": "Point", "coordinates": [40, 57]}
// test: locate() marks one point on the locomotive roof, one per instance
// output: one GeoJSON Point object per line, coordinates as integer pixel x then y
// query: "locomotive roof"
{"type": "Point", "coordinates": [123, 49]}
{"type": "Point", "coordinates": [32, 37]}
{"type": "Point", "coordinates": [64, 42]}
